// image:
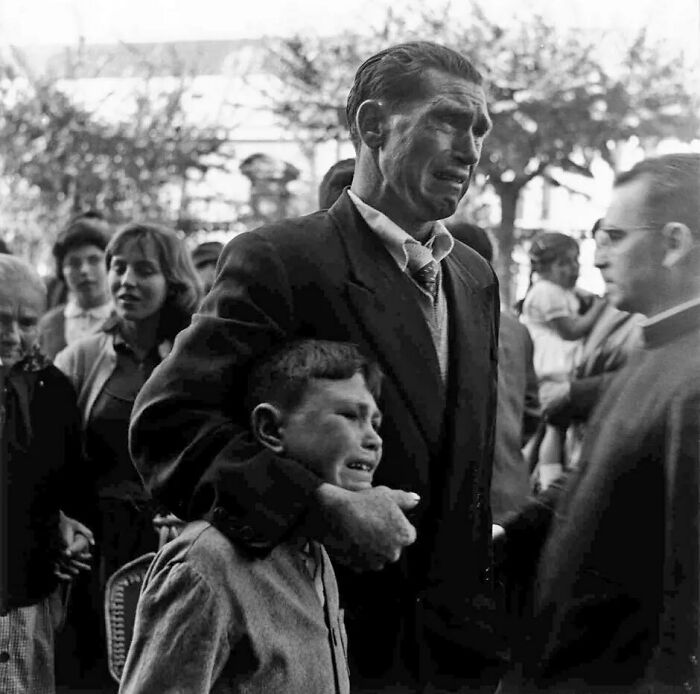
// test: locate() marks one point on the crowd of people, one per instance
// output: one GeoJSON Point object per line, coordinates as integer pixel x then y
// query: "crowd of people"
{"type": "Point", "coordinates": [358, 470]}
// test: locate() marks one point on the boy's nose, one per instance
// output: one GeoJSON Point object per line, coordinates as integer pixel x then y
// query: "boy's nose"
{"type": "Point", "coordinates": [372, 439]}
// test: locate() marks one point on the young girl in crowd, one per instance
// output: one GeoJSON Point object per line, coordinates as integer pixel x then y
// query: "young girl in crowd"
{"type": "Point", "coordinates": [155, 289]}
{"type": "Point", "coordinates": [551, 312]}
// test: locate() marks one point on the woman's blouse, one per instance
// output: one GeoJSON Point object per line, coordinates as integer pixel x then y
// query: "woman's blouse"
{"type": "Point", "coordinates": [107, 432]}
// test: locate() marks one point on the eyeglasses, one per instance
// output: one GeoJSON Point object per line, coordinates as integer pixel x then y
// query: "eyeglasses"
{"type": "Point", "coordinates": [606, 236]}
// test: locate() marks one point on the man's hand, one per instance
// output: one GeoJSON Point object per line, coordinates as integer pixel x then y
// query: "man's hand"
{"type": "Point", "coordinates": [363, 530]}
{"type": "Point", "coordinates": [545, 474]}
{"type": "Point", "coordinates": [554, 398]}
{"type": "Point", "coordinates": [76, 556]}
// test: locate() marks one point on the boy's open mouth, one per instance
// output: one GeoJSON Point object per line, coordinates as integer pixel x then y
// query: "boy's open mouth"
{"type": "Point", "coordinates": [362, 466]}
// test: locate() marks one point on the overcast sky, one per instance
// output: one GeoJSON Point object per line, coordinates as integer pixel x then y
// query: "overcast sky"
{"type": "Point", "coordinates": [64, 21]}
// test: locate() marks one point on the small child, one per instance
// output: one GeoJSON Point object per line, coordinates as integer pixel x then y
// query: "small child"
{"type": "Point", "coordinates": [214, 618]}
{"type": "Point", "coordinates": [551, 313]}
{"type": "Point", "coordinates": [40, 450]}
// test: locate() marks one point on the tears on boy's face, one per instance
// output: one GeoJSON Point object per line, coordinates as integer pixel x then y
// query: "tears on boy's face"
{"type": "Point", "coordinates": [334, 432]}
{"type": "Point", "coordinates": [21, 306]}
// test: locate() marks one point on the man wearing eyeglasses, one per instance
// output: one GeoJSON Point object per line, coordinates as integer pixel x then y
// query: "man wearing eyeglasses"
{"type": "Point", "coordinates": [616, 604]}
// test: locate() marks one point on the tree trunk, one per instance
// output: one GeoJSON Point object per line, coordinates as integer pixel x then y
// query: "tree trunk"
{"type": "Point", "coordinates": [504, 264]}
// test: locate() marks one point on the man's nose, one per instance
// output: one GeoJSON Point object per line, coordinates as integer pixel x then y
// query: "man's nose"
{"type": "Point", "coordinates": [466, 149]}
{"type": "Point", "coordinates": [600, 258]}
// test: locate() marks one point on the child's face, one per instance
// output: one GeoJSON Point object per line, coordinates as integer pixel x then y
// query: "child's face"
{"type": "Point", "coordinates": [334, 432]}
{"type": "Point", "coordinates": [564, 270]}
{"type": "Point", "coordinates": [86, 275]}
{"type": "Point", "coordinates": [20, 309]}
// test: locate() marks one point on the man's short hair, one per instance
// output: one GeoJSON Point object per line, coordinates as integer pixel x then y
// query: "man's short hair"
{"type": "Point", "coordinates": [336, 179]}
{"type": "Point", "coordinates": [673, 194]}
{"type": "Point", "coordinates": [88, 229]}
{"type": "Point", "coordinates": [282, 377]}
{"type": "Point", "coordinates": [394, 75]}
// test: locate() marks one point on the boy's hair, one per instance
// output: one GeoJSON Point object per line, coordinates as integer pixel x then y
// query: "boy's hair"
{"type": "Point", "coordinates": [87, 229]}
{"type": "Point", "coordinates": [282, 377]}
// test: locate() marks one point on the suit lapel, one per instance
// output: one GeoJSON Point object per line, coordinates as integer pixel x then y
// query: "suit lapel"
{"type": "Point", "coordinates": [385, 306]}
{"type": "Point", "coordinates": [472, 346]}
{"type": "Point", "coordinates": [458, 293]}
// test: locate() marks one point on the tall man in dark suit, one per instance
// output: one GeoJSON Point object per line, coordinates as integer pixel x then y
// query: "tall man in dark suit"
{"type": "Point", "coordinates": [376, 269]}
{"type": "Point", "coordinates": [617, 595]}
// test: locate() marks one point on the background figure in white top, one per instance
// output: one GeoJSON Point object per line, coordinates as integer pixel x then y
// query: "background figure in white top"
{"type": "Point", "coordinates": [79, 252]}
{"type": "Point", "coordinates": [551, 312]}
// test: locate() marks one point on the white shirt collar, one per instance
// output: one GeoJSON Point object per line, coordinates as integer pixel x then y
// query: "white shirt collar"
{"type": "Point", "coordinates": [653, 320]}
{"type": "Point", "coordinates": [395, 238]}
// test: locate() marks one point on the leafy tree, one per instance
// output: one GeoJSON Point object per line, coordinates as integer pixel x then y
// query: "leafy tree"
{"type": "Point", "coordinates": [557, 99]}
{"type": "Point", "coordinates": [61, 158]}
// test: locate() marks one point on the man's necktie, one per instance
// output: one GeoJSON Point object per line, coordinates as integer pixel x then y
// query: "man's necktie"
{"type": "Point", "coordinates": [423, 267]}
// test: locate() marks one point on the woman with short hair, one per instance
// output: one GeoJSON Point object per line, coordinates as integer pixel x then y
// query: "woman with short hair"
{"type": "Point", "coordinates": [155, 289]}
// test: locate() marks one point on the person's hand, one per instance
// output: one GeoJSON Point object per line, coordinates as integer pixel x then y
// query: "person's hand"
{"type": "Point", "coordinates": [545, 474]}
{"type": "Point", "coordinates": [366, 529]}
{"type": "Point", "coordinates": [554, 398]}
{"type": "Point", "coordinates": [167, 526]}
{"type": "Point", "coordinates": [77, 541]}
{"type": "Point", "coordinates": [598, 304]}
{"type": "Point", "coordinates": [497, 532]}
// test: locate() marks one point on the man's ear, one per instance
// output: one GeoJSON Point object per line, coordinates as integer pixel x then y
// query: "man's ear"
{"type": "Point", "coordinates": [266, 423]}
{"type": "Point", "coordinates": [678, 241]}
{"type": "Point", "coordinates": [370, 122]}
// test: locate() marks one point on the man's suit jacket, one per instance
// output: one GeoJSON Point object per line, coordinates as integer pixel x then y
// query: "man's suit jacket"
{"type": "Point", "coordinates": [517, 416]}
{"type": "Point", "coordinates": [328, 276]}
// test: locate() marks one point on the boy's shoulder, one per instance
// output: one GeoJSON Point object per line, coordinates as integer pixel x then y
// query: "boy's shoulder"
{"type": "Point", "coordinates": [225, 566]}
{"type": "Point", "coordinates": [205, 551]}
{"type": "Point", "coordinates": [199, 540]}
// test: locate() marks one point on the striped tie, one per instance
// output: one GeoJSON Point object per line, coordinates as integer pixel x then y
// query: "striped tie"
{"type": "Point", "coordinates": [423, 267]}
